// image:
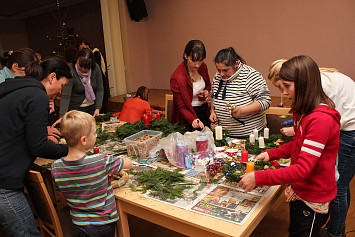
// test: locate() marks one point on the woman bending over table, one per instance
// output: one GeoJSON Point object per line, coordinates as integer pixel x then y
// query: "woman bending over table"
{"type": "Point", "coordinates": [190, 84]}
{"type": "Point", "coordinates": [24, 103]}
{"type": "Point", "coordinates": [85, 92]}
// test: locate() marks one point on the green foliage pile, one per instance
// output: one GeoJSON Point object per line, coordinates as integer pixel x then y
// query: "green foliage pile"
{"type": "Point", "coordinates": [162, 125]}
{"type": "Point", "coordinates": [269, 144]}
{"type": "Point", "coordinates": [103, 136]}
{"type": "Point", "coordinates": [161, 183]}
{"type": "Point", "coordinates": [103, 118]}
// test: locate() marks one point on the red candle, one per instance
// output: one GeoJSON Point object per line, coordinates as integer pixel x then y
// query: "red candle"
{"type": "Point", "coordinates": [150, 116]}
{"type": "Point", "coordinates": [145, 119]}
{"type": "Point", "coordinates": [158, 116]}
{"type": "Point", "coordinates": [96, 150]}
{"type": "Point", "coordinates": [244, 156]}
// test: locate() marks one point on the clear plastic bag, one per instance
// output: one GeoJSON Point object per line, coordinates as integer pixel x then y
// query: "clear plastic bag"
{"type": "Point", "coordinates": [176, 144]}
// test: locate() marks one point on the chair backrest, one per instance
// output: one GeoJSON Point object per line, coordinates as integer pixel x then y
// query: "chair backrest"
{"type": "Point", "coordinates": [43, 205]}
{"type": "Point", "coordinates": [168, 106]}
{"type": "Point", "coordinates": [278, 111]}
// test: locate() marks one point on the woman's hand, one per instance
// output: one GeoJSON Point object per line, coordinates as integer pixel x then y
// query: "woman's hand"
{"type": "Point", "coordinates": [56, 122]}
{"type": "Point", "coordinates": [53, 139]}
{"type": "Point", "coordinates": [213, 117]}
{"type": "Point", "coordinates": [96, 112]}
{"type": "Point", "coordinates": [248, 182]}
{"type": "Point", "coordinates": [52, 131]}
{"type": "Point", "coordinates": [197, 124]}
{"type": "Point", "coordinates": [51, 106]}
{"type": "Point", "coordinates": [263, 156]}
{"type": "Point", "coordinates": [287, 131]}
{"type": "Point", "coordinates": [236, 112]}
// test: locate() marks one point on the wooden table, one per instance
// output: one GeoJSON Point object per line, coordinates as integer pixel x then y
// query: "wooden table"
{"type": "Point", "coordinates": [186, 222]}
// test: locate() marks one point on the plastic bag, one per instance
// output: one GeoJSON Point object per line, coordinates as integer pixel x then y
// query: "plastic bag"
{"type": "Point", "coordinates": [176, 145]}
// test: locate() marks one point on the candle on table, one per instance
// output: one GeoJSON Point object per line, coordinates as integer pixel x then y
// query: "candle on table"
{"type": "Point", "coordinates": [158, 116]}
{"type": "Point", "coordinates": [261, 142]}
{"type": "Point", "coordinates": [266, 133]}
{"type": "Point", "coordinates": [145, 119]}
{"type": "Point", "coordinates": [252, 138]}
{"type": "Point", "coordinates": [150, 116]}
{"type": "Point", "coordinates": [244, 156]}
{"type": "Point", "coordinates": [255, 131]}
{"type": "Point", "coordinates": [250, 167]}
{"type": "Point", "coordinates": [218, 131]}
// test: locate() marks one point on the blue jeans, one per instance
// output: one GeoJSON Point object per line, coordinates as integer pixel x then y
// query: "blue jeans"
{"type": "Point", "coordinates": [95, 230]}
{"type": "Point", "coordinates": [346, 166]}
{"type": "Point", "coordinates": [16, 218]}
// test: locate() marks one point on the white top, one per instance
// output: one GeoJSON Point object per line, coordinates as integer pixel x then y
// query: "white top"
{"type": "Point", "coordinates": [197, 86]}
{"type": "Point", "coordinates": [340, 89]}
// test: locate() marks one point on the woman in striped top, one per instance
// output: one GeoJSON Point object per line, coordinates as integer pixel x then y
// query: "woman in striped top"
{"type": "Point", "coordinates": [242, 86]}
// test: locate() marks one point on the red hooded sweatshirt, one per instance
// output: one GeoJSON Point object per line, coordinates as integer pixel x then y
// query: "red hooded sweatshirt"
{"type": "Point", "coordinates": [313, 152]}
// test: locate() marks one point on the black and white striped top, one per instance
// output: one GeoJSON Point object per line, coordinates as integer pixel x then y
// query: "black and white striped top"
{"type": "Point", "coordinates": [243, 88]}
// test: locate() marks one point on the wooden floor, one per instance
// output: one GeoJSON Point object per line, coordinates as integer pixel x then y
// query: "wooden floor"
{"type": "Point", "coordinates": [157, 99]}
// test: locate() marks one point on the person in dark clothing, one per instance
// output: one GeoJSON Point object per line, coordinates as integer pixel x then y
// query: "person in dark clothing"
{"type": "Point", "coordinates": [24, 103]}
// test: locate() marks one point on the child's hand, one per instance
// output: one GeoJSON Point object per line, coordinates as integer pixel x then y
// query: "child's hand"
{"type": "Point", "coordinates": [248, 182]}
{"type": "Point", "coordinates": [263, 156]}
{"type": "Point", "coordinates": [287, 131]}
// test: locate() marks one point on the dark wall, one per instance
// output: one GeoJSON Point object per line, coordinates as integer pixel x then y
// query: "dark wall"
{"type": "Point", "coordinates": [85, 18]}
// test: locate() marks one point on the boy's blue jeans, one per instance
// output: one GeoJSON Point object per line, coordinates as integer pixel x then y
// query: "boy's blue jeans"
{"type": "Point", "coordinates": [107, 230]}
{"type": "Point", "coordinates": [346, 166]}
{"type": "Point", "coordinates": [16, 218]}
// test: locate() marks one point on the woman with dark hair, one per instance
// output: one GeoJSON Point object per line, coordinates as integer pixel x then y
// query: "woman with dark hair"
{"type": "Point", "coordinates": [15, 63]}
{"type": "Point", "coordinates": [23, 137]}
{"type": "Point", "coordinates": [313, 150]}
{"type": "Point", "coordinates": [85, 91]}
{"type": "Point", "coordinates": [190, 84]}
{"type": "Point", "coordinates": [244, 89]}
{"type": "Point", "coordinates": [134, 108]}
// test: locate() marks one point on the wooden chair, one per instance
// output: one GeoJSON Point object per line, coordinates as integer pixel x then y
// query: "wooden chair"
{"type": "Point", "coordinates": [278, 111]}
{"type": "Point", "coordinates": [168, 106]}
{"type": "Point", "coordinates": [47, 216]}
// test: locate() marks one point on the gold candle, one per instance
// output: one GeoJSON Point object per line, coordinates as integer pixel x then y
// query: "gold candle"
{"type": "Point", "coordinates": [250, 167]}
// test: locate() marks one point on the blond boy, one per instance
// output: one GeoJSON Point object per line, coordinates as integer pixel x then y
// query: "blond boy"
{"type": "Point", "coordinates": [84, 180]}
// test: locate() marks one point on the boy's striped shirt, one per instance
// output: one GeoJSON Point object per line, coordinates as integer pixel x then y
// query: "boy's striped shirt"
{"type": "Point", "coordinates": [86, 186]}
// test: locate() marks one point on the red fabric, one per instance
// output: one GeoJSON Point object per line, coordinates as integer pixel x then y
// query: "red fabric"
{"type": "Point", "coordinates": [181, 86]}
{"type": "Point", "coordinates": [133, 110]}
{"type": "Point", "coordinates": [313, 152]}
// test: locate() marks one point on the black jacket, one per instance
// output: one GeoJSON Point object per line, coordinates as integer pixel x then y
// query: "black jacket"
{"type": "Point", "coordinates": [24, 112]}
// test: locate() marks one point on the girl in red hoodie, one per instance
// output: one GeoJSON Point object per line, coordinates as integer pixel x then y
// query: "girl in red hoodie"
{"type": "Point", "coordinates": [313, 150]}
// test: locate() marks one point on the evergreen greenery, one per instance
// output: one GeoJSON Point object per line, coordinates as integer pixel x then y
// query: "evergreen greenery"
{"type": "Point", "coordinates": [161, 183]}
{"type": "Point", "coordinates": [269, 144]}
{"type": "Point", "coordinates": [162, 125]}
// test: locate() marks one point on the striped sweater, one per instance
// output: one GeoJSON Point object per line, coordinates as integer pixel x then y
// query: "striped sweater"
{"type": "Point", "coordinates": [87, 188]}
{"type": "Point", "coordinates": [243, 88]}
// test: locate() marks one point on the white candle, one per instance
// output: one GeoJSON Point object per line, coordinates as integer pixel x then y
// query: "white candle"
{"type": "Point", "coordinates": [255, 131]}
{"type": "Point", "coordinates": [219, 134]}
{"type": "Point", "coordinates": [266, 133]}
{"type": "Point", "coordinates": [252, 138]}
{"type": "Point", "coordinates": [261, 142]}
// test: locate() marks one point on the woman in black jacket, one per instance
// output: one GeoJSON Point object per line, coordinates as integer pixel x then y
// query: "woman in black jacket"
{"type": "Point", "coordinates": [24, 103]}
